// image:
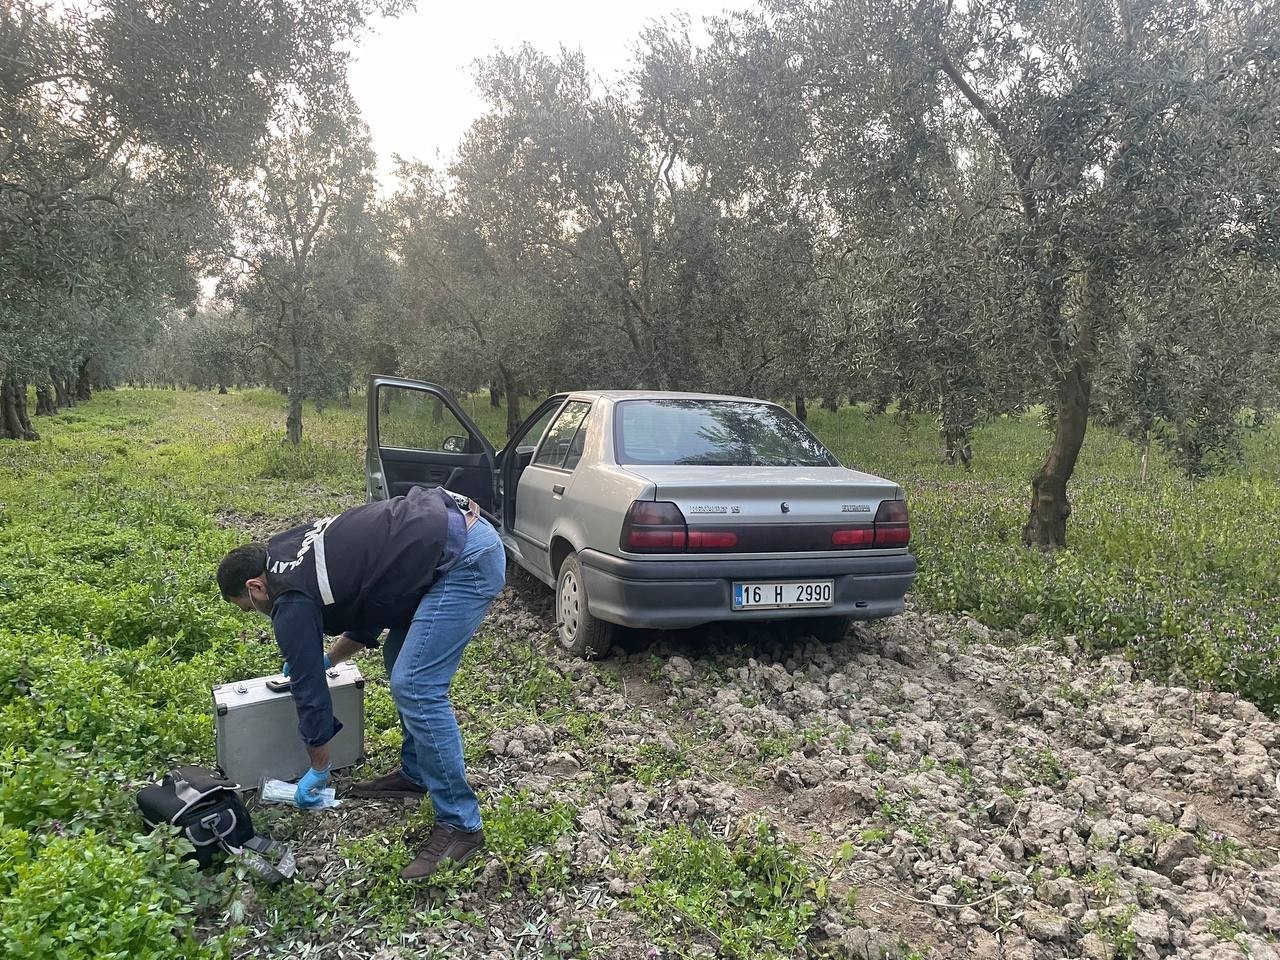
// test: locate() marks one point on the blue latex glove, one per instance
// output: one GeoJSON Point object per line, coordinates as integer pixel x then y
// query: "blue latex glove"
{"type": "Point", "coordinates": [285, 669]}
{"type": "Point", "coordinates": [306, 796]}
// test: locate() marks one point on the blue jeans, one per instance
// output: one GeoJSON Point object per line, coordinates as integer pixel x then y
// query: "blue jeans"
{"type": "Point", "coordinates": [421, 662]}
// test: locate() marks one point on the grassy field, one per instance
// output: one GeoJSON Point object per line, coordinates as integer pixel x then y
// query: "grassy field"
{"type": "Point", "coordinates": [111, 629]}
{"type": "Point", "coordinates": [1182, 576]}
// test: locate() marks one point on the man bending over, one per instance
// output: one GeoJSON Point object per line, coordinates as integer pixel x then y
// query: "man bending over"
{"type": "Point", "coordinates": [426, 567]}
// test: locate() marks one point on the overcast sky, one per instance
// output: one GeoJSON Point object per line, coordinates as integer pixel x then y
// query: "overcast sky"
{"type": "Point", "coordinates": [412, 76]}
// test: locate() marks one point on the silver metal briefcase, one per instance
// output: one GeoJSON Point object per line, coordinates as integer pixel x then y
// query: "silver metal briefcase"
{"type": "Point", "coordinates": [257, 727]}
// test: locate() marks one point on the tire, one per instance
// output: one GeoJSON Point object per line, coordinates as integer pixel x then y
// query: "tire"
{"type": "Point", "coordinates": [579, 633]}
{"type": "Point", "coordinates": [824, 629]}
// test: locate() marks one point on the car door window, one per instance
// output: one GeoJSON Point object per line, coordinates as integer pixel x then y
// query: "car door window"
{"type": "Point", "coordinates": [555, 446]}
{"type": "Point", "coordinates": [577, 445]}
{"type": "Point", "coordinates": [528, 440]}
{"type": "Point", "coordinates": [414, 420]}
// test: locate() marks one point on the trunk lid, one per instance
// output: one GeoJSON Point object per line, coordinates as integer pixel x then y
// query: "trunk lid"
{"type": "Point", "coordinates": [756, 494]}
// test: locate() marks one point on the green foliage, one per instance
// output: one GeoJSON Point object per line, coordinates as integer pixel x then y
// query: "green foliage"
{"type": "Point", "coordinates": [749, 895]}
{"type": "Point", "coordinates": [523, 833]}
{"type": "Point", "coordinates": [655, 763]}
{"type": "Point", "coordinates": [1227, 928]}
{"type": "Point", "coordinates": [88, 897]}
{"type": "Point", "coordinates": [49, 785]}
{"type": "Point", "coordinates": [1045, 769]}
{"type": "Point", "coordinates": [1179, 576]}
{"type": "Point", "coordinates": [307, 460]}
{"type": "Point", "coordinates": [378, 858]}
{"type": "Point", "coordinates": [1223, 850]}
{"type": "Point", "coordinates": [774, 747]}
{"type": "Point", "coordinates": [111, 632]}
{"type": "Point", "coordinates": [1116, 931]}
{"type": "Point", "coordinates": [518, 830]}
{"type": "Point", "coordinates": [876, 761]}
{"type": "Point", "coordinates": [99, 247]}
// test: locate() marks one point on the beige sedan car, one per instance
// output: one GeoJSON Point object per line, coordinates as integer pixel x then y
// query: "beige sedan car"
{"type": "Point", "coordinates": [659, 510]}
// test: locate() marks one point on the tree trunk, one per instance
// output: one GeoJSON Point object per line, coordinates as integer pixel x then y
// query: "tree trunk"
{"type": "Point", "coordinates": [495, 395]}
{"type": "Point", "coordinates": [437, 410]}
{"type": "Point", "coordinates": [831, 403]}
{"type": "Point", "coordinates": [1050, 506]}
{"type": "Point", "coordinates": [83, 389]}
{"type": "Point", "coordinates": [61, 395]}
{"type": "Point", "coordinates": [802, 412]}
{"type": "Point", "coordinates": [44, 400]}
{"type": "Point", "coordinates": [1046, 527]}
{"type": "Point", "coordinates": [293, 423]}
{"type": "Point", "coordinates": [12, 425]}
{"type": "Point", "coordinates": [512, 389]}
{"type": "Point", "coordinates": [20, 402]}
{"type": "Point", "coordinates": [955, 447]}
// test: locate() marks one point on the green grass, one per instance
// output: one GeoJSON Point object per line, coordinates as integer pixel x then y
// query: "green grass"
{"type": "Point", "coordinates": [111, 633]}
{"type": "Point", "coordinates": [519, 831]}
{"type": "Point", "coordinates": [748, 898]}
{"type": "Point", "coordinates": [1180, 576]}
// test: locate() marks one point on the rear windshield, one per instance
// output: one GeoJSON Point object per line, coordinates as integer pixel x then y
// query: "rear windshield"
{"type": "Point", "coordinates": [721, 433]}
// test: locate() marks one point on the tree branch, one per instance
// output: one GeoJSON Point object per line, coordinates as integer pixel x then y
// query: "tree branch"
{"type": "Point", "coordinates": [1019, 165]}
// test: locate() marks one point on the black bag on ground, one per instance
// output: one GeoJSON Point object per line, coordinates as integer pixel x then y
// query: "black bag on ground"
{"type": "Point", "coordinates": [204, 806]}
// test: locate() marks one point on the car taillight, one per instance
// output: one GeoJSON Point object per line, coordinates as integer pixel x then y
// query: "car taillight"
{"type": "Point", "coordinates": [893, 527]}
{"type": "Point", "coordinates": [712, 539]}
{"type": "Point", "coordinates": [654, 527]}
{"type": "Point", "coordinates": [853, 537]}
{"type": "Point", "coordinates": [659, 527]}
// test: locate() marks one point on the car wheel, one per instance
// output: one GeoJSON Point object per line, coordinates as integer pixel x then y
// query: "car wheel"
{"type": "Point", "coordinates": [580, 634]}
{"type": "Point", "coordinates": [825, 629]}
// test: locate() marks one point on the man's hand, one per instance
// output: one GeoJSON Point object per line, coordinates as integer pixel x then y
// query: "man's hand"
{"type": "Point", "coordinates": [285, 668]}
{"type": "Point", "coordinates": [307, 795]}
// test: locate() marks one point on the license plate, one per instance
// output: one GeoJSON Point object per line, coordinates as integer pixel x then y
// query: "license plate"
{"type": "Point", "coordinates": [771, 595]}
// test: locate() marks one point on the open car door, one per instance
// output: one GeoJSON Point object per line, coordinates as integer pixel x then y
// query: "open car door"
{"type": "Point", "coordinates": [420, 436]}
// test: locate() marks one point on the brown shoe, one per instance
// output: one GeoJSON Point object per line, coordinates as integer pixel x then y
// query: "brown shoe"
{"type": "Point", "coordinates": [445, 843]}
{"type": "Point", "coordinates": [393, 784]}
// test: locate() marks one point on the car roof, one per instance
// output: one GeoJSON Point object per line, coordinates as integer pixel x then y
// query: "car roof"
{"type": "Point", "coordinates": [616, 395]}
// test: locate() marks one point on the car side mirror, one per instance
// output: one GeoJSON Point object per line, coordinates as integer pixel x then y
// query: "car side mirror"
{"type": "Point", "coordinates": [454, 445]}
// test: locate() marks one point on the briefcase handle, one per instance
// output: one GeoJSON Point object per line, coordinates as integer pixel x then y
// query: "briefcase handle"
{"type": "Point", "coordinates": [283, 683]}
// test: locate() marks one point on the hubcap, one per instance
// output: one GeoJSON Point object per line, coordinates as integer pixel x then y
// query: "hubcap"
{"type": "Point", "coordinates": [570, 606]}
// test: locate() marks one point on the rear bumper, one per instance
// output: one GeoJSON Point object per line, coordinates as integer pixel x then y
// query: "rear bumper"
{"type": "Point", "coordinates": [669, 594]}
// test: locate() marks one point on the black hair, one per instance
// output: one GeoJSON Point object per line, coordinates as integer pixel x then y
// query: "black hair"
{"type": "Point", "coordinates": [241, 564]}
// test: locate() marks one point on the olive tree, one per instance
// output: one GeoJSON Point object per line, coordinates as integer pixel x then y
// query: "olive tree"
{"type": "Point", "coordinates": [1127, 136]}
{"type": "Point", "coordinates": [298, 247]}
{"type": "Point", "coordinates": [123, 121]}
